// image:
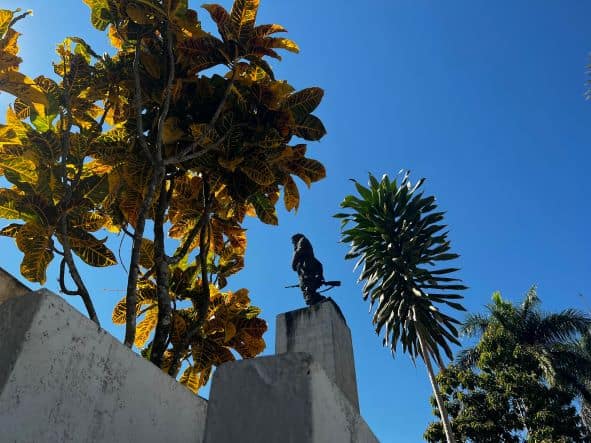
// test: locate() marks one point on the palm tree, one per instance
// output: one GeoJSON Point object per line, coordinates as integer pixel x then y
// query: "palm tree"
{"type": "Point", "coordinates": [394, 232]}
{"type": "Point", "coordinates": [557, 342]}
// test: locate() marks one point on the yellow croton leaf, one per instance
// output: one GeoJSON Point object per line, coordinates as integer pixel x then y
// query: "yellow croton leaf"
{"type": "Point", "coordinates": [96, 167]}
{"type": "Point", "coordinates": [5, 19]}
{"type": "Point", "coordinates": [266, 30]}
{"type": "Point", "coordinates": [243, 16]}
{"type": "Point", "coordinates": [145, 327]}
{"type": "Point", "coordinates": [291, 195]}
{"type": "Point", "coordinates": [310, 128]}
{"type": "Point", "coordinates": [190, 379]}
{"type": "Point", "coordinates": [248, 340]}
{"type": "Point", "coordinates": [119, 312]}
{"type": "Point", "coordinates": [146, 296]}
{"type": "Point", "coordinates": [221, 18]}
{"type": "Point", "coordinates": [229, 332]}
{"type": "Point", "coordinates": [90, 249]}
{"type": "Point", "coordinates": [283, 43]}
{"type": "Point", "coordinates": [89, 221]}
{"type": "Point", "coordinates": [146, 259]}
{"type": "Point", "coordinates": [22, 110]}
{"type": "Point", "coordinates": [23, 87]}
{"type": "Point", "coordinates": [240, 298]}
{"type": "Point", "coordinates": [11, 230]}
{"type": "Point", "coordinates": [265, 209]}
{"type": "Point", "coordinates": [305, 101]}
{"type": "Point", "coordinates": [34, 241]}
{"type": "Point", "coordinates": [259, 172]}
{"type": "Point", "coordinates": [179, 329]}
{"type": "Point", "coordinates": [9, 199]}
{"type": "Point", "coordinates": [167, 359]}
{"type": "Point", "coordinates": [96, 18]}
{"type": "Point", "coordinates": [9, 60]}
{"type": "Point", "coordinates": [114, 38]}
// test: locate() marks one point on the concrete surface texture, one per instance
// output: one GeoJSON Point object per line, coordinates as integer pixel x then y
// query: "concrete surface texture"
{"type": "Point", "coordinates": [286, 398]}
{"type": "Point", "coordinates": [62, 379]}
{"type": "Point", "coordinates": [321, 331]}
{"type": "Point", "coordinates": [10, 287]}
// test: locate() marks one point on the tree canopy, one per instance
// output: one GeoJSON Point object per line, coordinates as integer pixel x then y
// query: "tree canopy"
{"type": "Point", "coordinates": [520, 381]}
{"type": "Point", "coordinates": [178, 126]}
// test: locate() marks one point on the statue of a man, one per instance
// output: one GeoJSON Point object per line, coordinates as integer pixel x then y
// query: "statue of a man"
{"type": "Point", "coordinates": [309, 269]}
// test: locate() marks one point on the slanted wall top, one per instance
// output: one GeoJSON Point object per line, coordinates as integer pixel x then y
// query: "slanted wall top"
{"type": "Point", "coordinates": [10, 287]}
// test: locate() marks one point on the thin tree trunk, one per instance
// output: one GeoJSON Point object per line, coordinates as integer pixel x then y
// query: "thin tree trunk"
{"type": "Point", "coordinates": [68, 258]}
{"type": "Point", "coordinates": [162, 282]}
{"type": "Point", "coordinates": [442, 409]}
{"type": "Point", "coordinates": [155, 182]}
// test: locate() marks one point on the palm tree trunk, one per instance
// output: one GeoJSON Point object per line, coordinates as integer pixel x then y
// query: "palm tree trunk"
{"type": "Point", "coordinates": [441, 406]}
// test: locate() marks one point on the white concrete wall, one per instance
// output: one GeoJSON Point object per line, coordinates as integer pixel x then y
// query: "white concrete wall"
{"type": "Point", "coordinates": [286, 398]}
{"type": "Point", "coordinates": [62, 379]}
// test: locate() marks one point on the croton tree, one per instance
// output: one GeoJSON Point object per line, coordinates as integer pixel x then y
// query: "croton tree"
{"type": "Point", "coordinates": [177, 126]}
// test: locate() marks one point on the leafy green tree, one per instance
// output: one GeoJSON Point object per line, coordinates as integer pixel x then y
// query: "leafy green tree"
{"type": "Point", "coordinates": [150, 133]}
{"type": "Point", "coordinates": [519, 382]}
{"type": "Point", "coordinates": [396, 234]}
{"type": "Point", "coordinates": [585, 348]}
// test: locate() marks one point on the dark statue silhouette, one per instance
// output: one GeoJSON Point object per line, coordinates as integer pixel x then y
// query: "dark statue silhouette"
{"type": "Point", "coordinates": [309, 270]}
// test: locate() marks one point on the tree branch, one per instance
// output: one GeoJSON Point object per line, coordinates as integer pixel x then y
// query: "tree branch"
{"type": "Point", "coordinates": [162, 281]}
{"type": "Point", "coordinates": [65, 128]}
{"type": "Point", "coordinates": [184, 249]}
{"type": "Point", "coordinates": [156, 181]}
{"type": "Point", "coordinates": [138, 100]}
{"type": "Point", "coordinates": [205, 294]}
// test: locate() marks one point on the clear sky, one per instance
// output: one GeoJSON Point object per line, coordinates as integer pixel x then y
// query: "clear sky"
{"type": "Point", "coordinates": [485, 99]}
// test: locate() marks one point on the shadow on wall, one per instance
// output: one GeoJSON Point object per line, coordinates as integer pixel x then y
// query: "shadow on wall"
{"type": "Point", "coordinates": [10, 287]}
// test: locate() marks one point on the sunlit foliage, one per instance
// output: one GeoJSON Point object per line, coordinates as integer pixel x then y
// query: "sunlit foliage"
{"type": "Point", "coordinates": [176, 125]}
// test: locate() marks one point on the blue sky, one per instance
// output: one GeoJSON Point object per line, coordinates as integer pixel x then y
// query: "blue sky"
{"type": "Point", "coordinates": [485, 99]}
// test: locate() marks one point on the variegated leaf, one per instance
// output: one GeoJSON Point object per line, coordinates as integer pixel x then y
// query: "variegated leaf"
{"type": "Point", "coordinates": [265, 210]}
{"type": "Point", "coordinates": [221, 18]}
{"type": "Point", "coordinates": [309, 128]}
{"type": "Point", "coordinates": [145, 327]}
{"type": "Point", "coordinates": [291, 195]}
{"type": "Point", "coordinates": [190, 379]}
{"type": "Point", "coordinates": [91, 250]}
{"type": "Point", "coordinates": [259, 172]}
{"type": "Point", "coordinates": [34, 241]}
{"type": "Point", "coordinates": [304, 102]}
{"type": "Point", "coordinates": [11, 230]}
{"type": "Point", "coordinates": [243, 16]}
{"type": "Point", "coordinates": [147, 253]}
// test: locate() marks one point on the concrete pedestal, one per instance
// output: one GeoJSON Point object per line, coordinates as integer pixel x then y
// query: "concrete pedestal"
{"type": "Point", "coordinates": [322, 332]}
{"type": "Point", "coordinates": [62, 379]}
{"type": "Point", "coordinates": [307, 393]}
{"type": "Point", "coordinates": [286, 398]}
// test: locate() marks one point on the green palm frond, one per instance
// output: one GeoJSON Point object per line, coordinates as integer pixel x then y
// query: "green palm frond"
{"type": "Point", "coordinates": [572, 368]}
{"type": "Point", "coordinates": [399, 240]}
{"type": "Point", "coordinates": [474, 325]}
{"type": "Point", "coordinates": [563, 326]}
{"type": "Point", "coordinates": [559, 343]}
{"type": "Point", "coordinates": [531, 300]}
